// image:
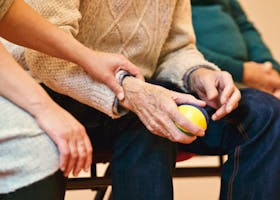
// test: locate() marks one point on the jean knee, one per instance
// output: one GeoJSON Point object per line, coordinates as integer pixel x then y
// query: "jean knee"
{"type": "Point", "coordinates": [258, 112]}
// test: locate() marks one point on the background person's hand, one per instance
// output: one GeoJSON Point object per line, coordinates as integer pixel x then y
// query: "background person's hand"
{"type": "Point", "coordinates": [157, 108]}
{"type": "Point", "coordinates": [217, 89]}
{"type": "Point", "coordinates": [102, 67]}
{"type": "Point", "coordinates": [276, 93]}
{"type": "Point", "coordinates": [69, 136]}
{"type": "Point", "coordinates": [261, 76]}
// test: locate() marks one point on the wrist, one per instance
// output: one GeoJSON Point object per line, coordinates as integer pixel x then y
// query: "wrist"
{"type": "Point", "coordinates": [119, 107]}
{"type": "Point", "coordinates": [41, 106]}
{"type": "Point", "coordinates": [130, 85]}
{"type": "Point", "coordinates": [189, 76]}
{"type": "Point", "coordinates": [85, 57]}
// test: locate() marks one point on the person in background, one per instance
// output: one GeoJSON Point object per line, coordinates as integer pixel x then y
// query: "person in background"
{"type": "Point", "coordinates": [227, 38]}
{"type": "Point", "coordinates": [158, 37]}
{"type": "Point", "coordinates": [37, 136]}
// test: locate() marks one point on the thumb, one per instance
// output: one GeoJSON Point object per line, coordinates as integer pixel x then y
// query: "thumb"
{"type": "Point", "coordinates": [267, 66]}
{"type": "Point", "coordinates": [186, 98]}
{"type": "Point", "coordinates": [114, 85]}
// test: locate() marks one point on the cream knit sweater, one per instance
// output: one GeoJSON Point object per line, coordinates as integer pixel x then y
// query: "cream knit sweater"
{"type": "Point", "coordinates": [4, 6]}
{"type": "Point", "coordinates": [156, 35]}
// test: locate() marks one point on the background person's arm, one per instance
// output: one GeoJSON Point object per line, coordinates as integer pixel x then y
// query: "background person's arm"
{"type": "Point", "coordinates": [251, 74]}
{"type": "Point", "coordinates": [257, 49]}
{"type": "Point", "coordinates": [256, 73]}
{"type": "Point", "coordinates": [23, 26]}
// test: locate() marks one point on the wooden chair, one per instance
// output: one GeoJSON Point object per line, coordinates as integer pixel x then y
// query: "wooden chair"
{"type": "Point", "coordinates": [100, 184]}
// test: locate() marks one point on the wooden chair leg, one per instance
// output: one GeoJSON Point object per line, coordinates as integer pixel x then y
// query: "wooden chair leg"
{"type": "Point", "coordinates": [102, 191]}
{"type": "Point", "coordinates": [92, 183]}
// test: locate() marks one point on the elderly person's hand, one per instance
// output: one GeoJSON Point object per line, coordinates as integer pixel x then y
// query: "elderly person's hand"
{"type": "Point", "coordinates": [157, 109]}
{"type": "Point", "coordinates": [217, 89]}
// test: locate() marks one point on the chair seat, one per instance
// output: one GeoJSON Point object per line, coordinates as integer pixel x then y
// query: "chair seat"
{"type": "Point", "coordinates": [182, 156]}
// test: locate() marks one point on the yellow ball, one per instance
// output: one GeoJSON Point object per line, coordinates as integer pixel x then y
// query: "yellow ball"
{"type": "Point", "coordinates": [194, 114]}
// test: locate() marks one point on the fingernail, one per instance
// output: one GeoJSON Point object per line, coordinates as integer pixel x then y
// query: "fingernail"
{"type": "Point", "coordinates": [120, 96]}
{"type": "Point", "coordinates": [201, 133]}
{"type": "Point", "coordinates": [268, 63]}
{"type": "Point", "coordinates": [62, 167]}
{"type": "Point", "coordinates": [214, 117]}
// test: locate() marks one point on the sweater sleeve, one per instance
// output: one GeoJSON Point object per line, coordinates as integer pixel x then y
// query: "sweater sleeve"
{"type": "Point", "coordinates": [179, 55]}
{"type": "Point", "coordinates": [257, 49]}
{"type": "Point", "coordinates": [62, 76]}
{"type": "Point", "coordinates": [4, 7]}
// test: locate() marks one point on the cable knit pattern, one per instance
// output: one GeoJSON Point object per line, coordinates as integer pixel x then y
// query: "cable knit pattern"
{"type": "Point", "coordinates": [4, 7]}
{"type": "Point", "coordinates": [156, 35]}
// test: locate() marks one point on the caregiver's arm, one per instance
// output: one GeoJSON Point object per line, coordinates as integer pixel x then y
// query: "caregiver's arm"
{"type": "Point", "coordinates": [24, 26]}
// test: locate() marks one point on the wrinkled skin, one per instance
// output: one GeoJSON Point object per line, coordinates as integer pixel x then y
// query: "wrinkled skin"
{"type": "Point", "coordinates": [217, 89]}
{"type": "Point", "coordinates": [156, 106]}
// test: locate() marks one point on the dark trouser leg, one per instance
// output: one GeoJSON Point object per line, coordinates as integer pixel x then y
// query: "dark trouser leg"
{"type": "Point", "coordinates": [251, 138]}
{"type": "Point", "coordinates": [142, 163]}
{"type": "Point", "coordinates": [50, 188]}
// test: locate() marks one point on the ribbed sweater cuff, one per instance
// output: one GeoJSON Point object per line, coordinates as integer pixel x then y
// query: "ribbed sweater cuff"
{"type": "Point", "coordinates": [117, 109]}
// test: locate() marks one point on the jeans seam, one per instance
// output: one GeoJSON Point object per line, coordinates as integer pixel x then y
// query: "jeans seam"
{"type": "Point", "coordinates": [240, 128]}
{"type": "Point", "coordinates": [243, 132]}
{"type": "Point", "coordinates": [234, 173]}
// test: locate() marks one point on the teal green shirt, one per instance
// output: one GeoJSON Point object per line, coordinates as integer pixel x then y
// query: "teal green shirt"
{"type": "Point", "coordinates": [226, 37]}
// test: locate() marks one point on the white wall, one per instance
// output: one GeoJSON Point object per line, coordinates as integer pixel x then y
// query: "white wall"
{"type": "Point", "coordinates": [266, 17]}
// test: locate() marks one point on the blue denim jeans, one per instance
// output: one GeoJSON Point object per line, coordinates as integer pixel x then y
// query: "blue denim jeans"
{"type": "Point", "coordinates": [142, 163]}
{"type": "Point", "coordinates": [250, 136]}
